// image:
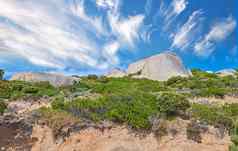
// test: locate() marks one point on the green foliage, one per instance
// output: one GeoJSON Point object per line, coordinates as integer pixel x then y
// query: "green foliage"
{"type": "Point", "coordinates": [132, 101]}
{"type": "Point", "coordinates": [216, 115]}
{"type": "Point", "coordinates": [58, 102]}
{"type": "Point", "coordinates": [202, 74]}
{"type": "Point", "coordinates": [233, 148]}
{"type": "Point", "coordinates": [18, 89]}
{"type": "Point", "coordinates": [56, 119]}
{"type": "Point", "coordinates": [234, 139]}
{"type": "Point", "coordinates": [1, 74]}
{"type": "Point", "coordinates": [3, 107]}
{"type": "Point", "coordinates": [92, 77]}
{"type": "Point", "coordinates": [194, 132]}
{"type": "Point", "coordinates": [122, 85]}
{"type": "Point", "coordinates": [172, 104]}
{"type": "Point", "coordinates": [134, 109]}
{"type": "Point", "coordinates": [203, 84]}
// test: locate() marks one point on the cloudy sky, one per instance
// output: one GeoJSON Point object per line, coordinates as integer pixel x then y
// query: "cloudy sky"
{"type": "Point", "coordinates": [94, 36]}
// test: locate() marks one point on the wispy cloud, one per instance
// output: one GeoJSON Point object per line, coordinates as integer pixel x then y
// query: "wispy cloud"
{"type": "Point", "coordinates": [170, 12]}
{"type": "Point", "coordinates": [218, 32]}
{"type": "Point", "coordinates": [59, 34]}
{"type": "Point", "coordinates": [186, 34]}
{"type": "Point", "coordinates": [148, 7]}
{"type": "Point", "coordinates": [126, 29]}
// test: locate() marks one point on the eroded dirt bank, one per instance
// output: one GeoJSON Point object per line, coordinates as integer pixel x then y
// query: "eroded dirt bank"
{"type": "Point", "coordinates": [121, 139]}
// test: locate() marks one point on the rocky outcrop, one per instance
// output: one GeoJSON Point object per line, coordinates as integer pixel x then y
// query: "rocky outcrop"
{"type": "Point", "coordinates": [226, 72]}
{"type": "Point", "coordinates": [159, 67]}
{"type": "Point", "coordinates": [27, 105]}
{"type": "Point", "coordinates": [116, 73]}
{"type": "Point", "coordinates": [54, 79]}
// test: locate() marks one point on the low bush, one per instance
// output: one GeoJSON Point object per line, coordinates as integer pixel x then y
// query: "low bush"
{"type": "Point", "coordinates": [18, 89]}
{"type": "Point", "coordinates": [92, 77]}
{"type": "Point", "coordinates": [56, 119]}
{"type": "Point", "coordinates": [195, 131]}
{"type": "Point", "coordinates": [214, 115]}
{"type": "Point", "coordinates": [3, 107]}
{"type": "Point", "coordinates": [31, 90]}
{"type": "Point", "coordinates": [172, 104]}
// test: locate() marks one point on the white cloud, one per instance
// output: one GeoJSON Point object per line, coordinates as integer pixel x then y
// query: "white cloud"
{"type": "Point", "coordinates": [179, 6]}
{"type": "Point", "coordinates": [186, 34]}
{"type": "Point", "coordinates": [112, 5]}
{"type": "Point", "coordinates": [60, 34]}
{"type": "Point", "coordinates": [105, 3]}
{"type": "Point", "coordinates": [92, 23]}
{"type": "Point", "coordinates": [170, 12]}
{"type": "Point", "coordinates": [219, 31]}
{"type": "Point", "coordinates": [126, 29]}
{"type": "Point", "coordinates": [110, 52]}
{"type": "Point", "coordinates": [34, 31]}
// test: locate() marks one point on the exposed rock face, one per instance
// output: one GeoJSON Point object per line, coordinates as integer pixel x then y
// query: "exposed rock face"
{"type": "Point", "coordinates": [121, 139]}
{"type": "Point", "coordinates": [159, 67]}
{"type": "Point", "coordinates": [54, 79]}
{"type": "Point", "coordinates": [226, 72]}
{"type": "Point", "coordinates": [116, 73]}
{"type": "Point", "coordinates": [27, 105]}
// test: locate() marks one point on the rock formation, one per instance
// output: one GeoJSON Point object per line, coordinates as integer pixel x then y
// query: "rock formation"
{"type": "Point", "coordinates": [226, 72]}
{"type": "Point", "coordinates": [116, 73]}
{"type": "Point", "coordinates": [54, 79]}
{"type": "Point", "coordinates": [159, 67]}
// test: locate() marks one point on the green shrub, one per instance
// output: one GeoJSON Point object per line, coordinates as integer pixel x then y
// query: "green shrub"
{"type": "Point", "coordinates": [134, 109]}
{"type": "Point", "coordinates": [233, 148]}
{"type": "Point", "coordinates": [3, 107]}
{"type": "Point", "coordinates": [56, 120]}
{"type": "Point", "coordinates": [58, 103]}
{"type": "Point", "coordinates": [234, 139]}
{"type": "Point", "coordinates": [1, 74]}
{"type": "Point", "coordinates": [175, 80]}
{"type": "Point", "coordinates": [92, 77]}
{"type": "Point", "coordinates": [194, 131]}
{"type": "Point", "coordinates": [31, 90]}
{"type": "Point", "coordinates": [213, 115]}
{"type": "Point", "coordinates": [172, 104]}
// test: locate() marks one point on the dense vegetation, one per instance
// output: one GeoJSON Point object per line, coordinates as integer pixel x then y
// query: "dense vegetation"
{"type": "Point", "coordinates": [134, 102]}
{"type": "Point", "coordinates": [1, 74]}
{"type": "Point", "coordinates": [12, 90]}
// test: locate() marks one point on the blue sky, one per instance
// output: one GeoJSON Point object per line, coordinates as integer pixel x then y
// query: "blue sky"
{"type": "Point", "coordinates": [94, 36]}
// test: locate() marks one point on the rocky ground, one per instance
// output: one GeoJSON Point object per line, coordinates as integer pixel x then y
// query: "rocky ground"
{"type": "Point", "coordinates": [20, 131]}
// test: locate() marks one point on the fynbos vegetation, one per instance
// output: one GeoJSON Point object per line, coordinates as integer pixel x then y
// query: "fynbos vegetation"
{"type": "Point", "coordinates": [134, 102]}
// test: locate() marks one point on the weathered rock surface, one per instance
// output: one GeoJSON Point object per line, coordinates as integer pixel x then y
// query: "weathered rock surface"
{"type": "Point", "coordinates": [15, 133]}
{"type": "Point", "coordinates": [226, 72]}
{"type": "Point", "coordinates": [159, 67]}
{"type": "Point", "coordinates": [27, 105]}
{"type": "Point", "coordinates": [54, 79]}
{"type": "Point", "coordinates": [116, 73]}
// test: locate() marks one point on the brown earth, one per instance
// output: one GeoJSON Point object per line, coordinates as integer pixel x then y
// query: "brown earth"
{"type": "Point", "coordinates": [121, 139]}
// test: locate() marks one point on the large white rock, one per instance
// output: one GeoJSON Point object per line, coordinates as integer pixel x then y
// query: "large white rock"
{"type": "Point", "coordinates": [159, 67]}
{"type": "Point", "coordinates": [116, 73]}
{"type": "Point", "coordinates": [54, 79]}
{"type": "Point", "coordinates": [226, 72]}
